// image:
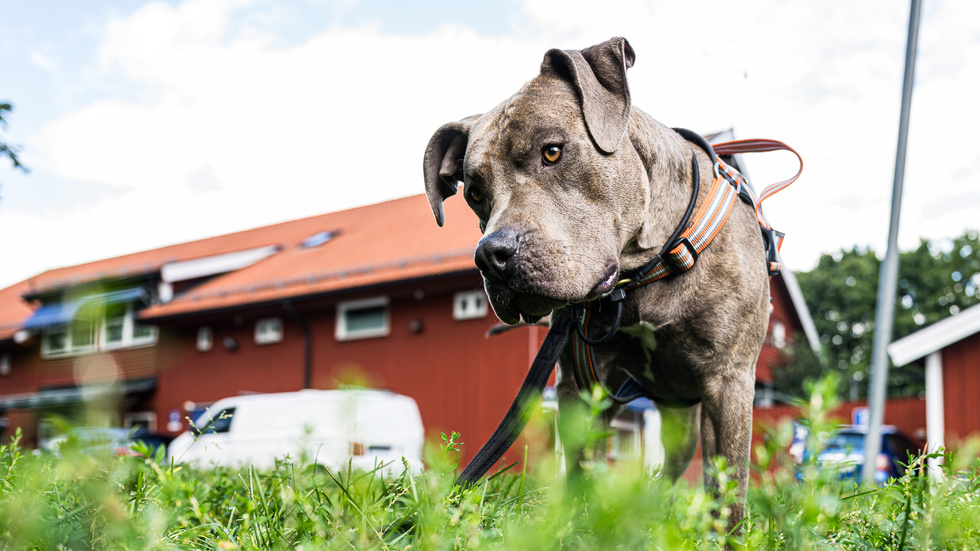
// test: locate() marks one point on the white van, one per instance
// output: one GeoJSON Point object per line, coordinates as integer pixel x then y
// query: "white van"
{"type": "Point", "coordinates": [329, 427]}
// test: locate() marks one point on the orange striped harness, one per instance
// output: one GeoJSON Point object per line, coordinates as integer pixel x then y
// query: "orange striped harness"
{"type": "Point", "coordinates": [691, 237]}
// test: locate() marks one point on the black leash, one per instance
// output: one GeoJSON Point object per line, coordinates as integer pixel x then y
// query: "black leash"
{"type": "Point", "coordinates": [520, 411]}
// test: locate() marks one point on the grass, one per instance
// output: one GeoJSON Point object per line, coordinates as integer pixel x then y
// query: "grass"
{"type": "Point", "coordinates": [85, 502]}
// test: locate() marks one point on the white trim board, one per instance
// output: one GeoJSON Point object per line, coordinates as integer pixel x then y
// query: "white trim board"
{"type": "Point", "coordinates": [935, 337]}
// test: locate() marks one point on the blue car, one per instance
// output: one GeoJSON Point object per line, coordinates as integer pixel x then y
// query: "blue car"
{"type": "Point", "coordinates": [844, 451]}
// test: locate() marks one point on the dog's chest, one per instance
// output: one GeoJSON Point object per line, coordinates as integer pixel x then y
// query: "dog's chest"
{"type": "Point", "coordinates": [644, 340]}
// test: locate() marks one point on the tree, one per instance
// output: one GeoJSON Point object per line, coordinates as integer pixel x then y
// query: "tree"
{"type": "Point", "coordinates": [9, 151]}
{"type": "Point", "coordinates": [937, 279]}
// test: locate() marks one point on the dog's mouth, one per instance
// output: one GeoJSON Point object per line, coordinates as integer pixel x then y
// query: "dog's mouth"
{"type": "Point", "coordinates": [607, 281]}
{"type": "Point", "coordinates": [511, 305]}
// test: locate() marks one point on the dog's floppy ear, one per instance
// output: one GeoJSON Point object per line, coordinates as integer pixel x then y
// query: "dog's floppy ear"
{"type": "Point", "coordinates": [443, 163]}
{"type": "Point", "coordinates": [599, 74]}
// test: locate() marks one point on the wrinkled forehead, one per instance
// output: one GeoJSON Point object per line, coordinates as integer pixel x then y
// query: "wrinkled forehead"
{"type": "Point", "coordinates": [543, 104]}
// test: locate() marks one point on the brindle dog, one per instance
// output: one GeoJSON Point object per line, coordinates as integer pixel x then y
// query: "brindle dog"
{"type": "Point", "coordinates": [574, 186]}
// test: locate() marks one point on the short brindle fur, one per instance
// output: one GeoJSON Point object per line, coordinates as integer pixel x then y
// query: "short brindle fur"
{"type": "Point", "coordinates": [574, 186]}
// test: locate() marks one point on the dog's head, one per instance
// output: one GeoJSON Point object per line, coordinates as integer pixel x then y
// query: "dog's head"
{"type": "Point", "coordinates": [552, 176]}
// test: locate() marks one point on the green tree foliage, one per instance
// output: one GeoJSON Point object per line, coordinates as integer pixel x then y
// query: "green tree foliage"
{"type": "Point", "coordinates": [6, 150]}
{"type": "Point", "coordinates": [936, 280]}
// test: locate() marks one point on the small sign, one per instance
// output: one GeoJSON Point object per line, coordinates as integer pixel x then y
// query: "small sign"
{"type": "Point", "coordinates": [173, 421]}
{"type": "Point", "coordinates": [859, 416]}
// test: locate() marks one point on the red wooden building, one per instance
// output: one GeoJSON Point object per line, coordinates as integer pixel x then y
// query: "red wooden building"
{"type": "Point", "coordinates": [950, 353]}
{"type": "Point", "coordinates": [377, 295]}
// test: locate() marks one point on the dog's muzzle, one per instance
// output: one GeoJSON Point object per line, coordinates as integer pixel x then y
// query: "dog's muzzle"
{"type": "Point", "coordinates": [496, 254]}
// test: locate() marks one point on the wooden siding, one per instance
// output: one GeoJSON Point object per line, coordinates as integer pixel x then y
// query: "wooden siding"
{"type": "Point", "coordinates": [770, 357]}
{"type": "Point", "coordinates": [961, 387]}
{"type": "Point", "coordinates": [907, 414]}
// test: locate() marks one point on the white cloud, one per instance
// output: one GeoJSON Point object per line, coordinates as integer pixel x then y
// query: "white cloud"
{"type": "Point", "coordinates": [229, 129]}
{"type": "Point", "coordinates": [41, 60]}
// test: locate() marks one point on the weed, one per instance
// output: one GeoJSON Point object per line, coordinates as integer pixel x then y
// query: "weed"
{"type": "Point", "coordinates": [100, 502]}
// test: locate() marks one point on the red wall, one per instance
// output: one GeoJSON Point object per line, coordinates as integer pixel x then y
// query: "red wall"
{"type": "Point", "coordinates": [961, 388]}
{"type": "Point", "coordinates": [908, 414]}
{"type": "Point", "coordinates": [462, 380]}
{"type": "Point", "coordinates": [770, 357]}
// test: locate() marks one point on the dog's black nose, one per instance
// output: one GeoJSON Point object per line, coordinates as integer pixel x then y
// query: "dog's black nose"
{"type": "Point", "coordinates": [495, 252]}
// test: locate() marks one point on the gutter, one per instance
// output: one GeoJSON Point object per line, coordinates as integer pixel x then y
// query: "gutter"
{"type": "Point", "coordinates": [287, 305]}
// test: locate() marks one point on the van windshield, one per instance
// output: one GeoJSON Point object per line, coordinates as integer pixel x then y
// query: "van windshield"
{"type": "Point", "coordinates": [206, 423]}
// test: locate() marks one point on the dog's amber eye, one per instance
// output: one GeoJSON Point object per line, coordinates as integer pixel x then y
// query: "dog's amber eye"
{"type": "Point", "coordinates": [474, 195]}
{"type": "Point", "coordinates": [551, 154]}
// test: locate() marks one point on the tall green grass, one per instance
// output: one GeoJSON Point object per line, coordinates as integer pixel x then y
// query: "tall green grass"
{"type": "Point", "coordinates": [84, 502]}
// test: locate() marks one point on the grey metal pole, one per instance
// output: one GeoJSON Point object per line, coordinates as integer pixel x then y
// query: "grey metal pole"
{"type": "Point", "coordinates": [888, 274]}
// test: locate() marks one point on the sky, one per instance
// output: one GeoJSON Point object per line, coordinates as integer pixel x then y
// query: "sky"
{"type": "Point", "coordinates": [146, 124]}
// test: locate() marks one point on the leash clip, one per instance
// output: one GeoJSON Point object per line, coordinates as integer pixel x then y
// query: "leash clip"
{"type": "Point", "coordinates": [618, 294]}
{"type": "Point", "coordinates": [616, 297]}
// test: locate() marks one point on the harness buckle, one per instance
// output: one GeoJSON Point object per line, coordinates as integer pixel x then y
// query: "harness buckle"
{"type": "Point", "coordinates": [672, 264]}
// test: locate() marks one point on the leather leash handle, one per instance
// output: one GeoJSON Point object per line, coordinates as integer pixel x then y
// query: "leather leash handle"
{"type": "Point", "coordinates": [520, 411]}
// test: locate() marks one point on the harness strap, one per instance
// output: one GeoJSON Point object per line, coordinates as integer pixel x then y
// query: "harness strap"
{"type": "Point", "coordinates": [583, 368]}
{"type": "Point", "coordinates": [520, 411]}
{"type": "Point", "coordinates": [689, 240]}
{"type": "Point", "coordinates": [773, 239]}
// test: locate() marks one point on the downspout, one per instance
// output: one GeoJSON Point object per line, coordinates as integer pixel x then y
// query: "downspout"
{"type": "Point", "coordinates": [287, 305]}
{"type": "Point", "coordinates": [935, 412]}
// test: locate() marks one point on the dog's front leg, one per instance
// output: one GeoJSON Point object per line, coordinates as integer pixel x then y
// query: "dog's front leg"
{"type": "Point", "coordinates": [679, 435]}
{"type": "Point", "coordinates": [583, 436]}
{"type": "Point", "coordinates": [726, 431]}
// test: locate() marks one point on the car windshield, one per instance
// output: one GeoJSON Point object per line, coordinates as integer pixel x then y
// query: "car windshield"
{"type": "Point", "coordinates": [845, 441]}
{"type": "Point", "coordinates": [88, 434]}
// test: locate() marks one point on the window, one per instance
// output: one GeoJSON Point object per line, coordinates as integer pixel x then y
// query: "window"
{"type": "Point", "coordinates": [778, 334]}
{"type": "Point", "coordinates": [146, 420]}
{"type": "Point", "coordinates": [4, 365]}
{"type": "Point", "coordinates": [108, 328]}
{"type": "Point", "coordinates": [75, 338]}
{"type": "Point", "coordinates": [268, 330]}
{"type": "Point", "coordinates": [363, 319]}
{"type": "Point", "coordinates": [470, 305]}
{"type": "Point", "coordinates": [625, 442]}
{"type": "Point", "coordinates": [205, 339]}
{"type": "Point", "coordinates": [120, 330]}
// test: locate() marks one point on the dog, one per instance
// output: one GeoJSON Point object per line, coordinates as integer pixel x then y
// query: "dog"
{"type": "Point", "coordinates": [573, 186]}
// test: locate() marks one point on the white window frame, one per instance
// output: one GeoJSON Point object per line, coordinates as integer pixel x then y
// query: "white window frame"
{"type": "Point", "coordinates": [205, 339]}
{"type": "Point", "coordinates": [149, 417]}
{"type": "Point", "coordinates": [625, 444]}
{"type": "Point", "coordinates": [342, 332]}
{"type": "Point", "coordinates": [469, 305]}
{"type": "Point", "coordinates": [70, 349]}
{"type": "Point", "coordinates": [268, 330]}
{"type": "Point", "coordinates": [129, 340]}
{"type": "Point", "coordinates": [100, 340]}
{"type": "Point", "coordinates": [778, 337]}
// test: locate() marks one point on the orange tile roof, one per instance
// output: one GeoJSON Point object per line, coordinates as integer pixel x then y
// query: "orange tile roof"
{"type": "Point", "coordinates": [381, 243]}
{"type": "Point", "coordinates": [13, 310]}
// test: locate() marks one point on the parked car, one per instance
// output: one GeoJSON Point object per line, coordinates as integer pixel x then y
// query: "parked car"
{"type": "Point", "coordinates": [330, 427]}
{"type": "Point", "coordinates": [844, 451]}
{"type": "Point", "coordinates": [106, 441]}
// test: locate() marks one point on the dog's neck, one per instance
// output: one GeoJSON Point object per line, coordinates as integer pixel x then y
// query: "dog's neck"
{"type": "Point", "coordinates": [667, 161]}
